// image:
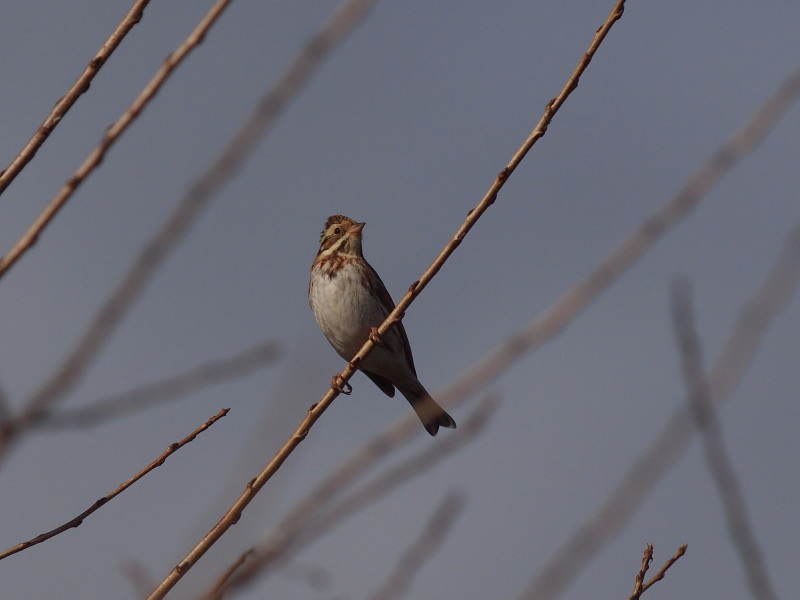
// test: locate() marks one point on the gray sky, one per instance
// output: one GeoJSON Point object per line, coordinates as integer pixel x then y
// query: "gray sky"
{"type": "Point", "coordinates": [404, 128]}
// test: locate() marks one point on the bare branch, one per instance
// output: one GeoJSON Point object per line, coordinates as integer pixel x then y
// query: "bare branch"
{"type": "Point", "coordinates": [77, 521]}
{"type": "Point", "coordinates": [80, 87]}
{"type": "Point", "coordinates": [317, 409]}
{"type": "Point", "coordinates": [719, 464]}
{"type": "Point", "coordinates": [634, 487]}
{"type": "Point", "coordinates": [414, 558]}
{"type": "Point", "coordinates": [159, 392]}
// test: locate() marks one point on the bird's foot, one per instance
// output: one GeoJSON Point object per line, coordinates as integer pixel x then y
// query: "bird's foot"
{"type": "Point", "coordinates": [340, 385]}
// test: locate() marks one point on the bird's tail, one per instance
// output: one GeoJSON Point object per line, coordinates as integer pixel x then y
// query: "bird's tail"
{"type": "Point", "coordinates": [431, 414]}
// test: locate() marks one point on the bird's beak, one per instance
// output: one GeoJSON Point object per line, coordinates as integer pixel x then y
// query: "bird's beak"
{"type": "Point", "coordinates": [356, 229]}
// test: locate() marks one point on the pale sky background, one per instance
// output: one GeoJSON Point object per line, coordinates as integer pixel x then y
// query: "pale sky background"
{"type": "Point", "coordinates": [404, 128]}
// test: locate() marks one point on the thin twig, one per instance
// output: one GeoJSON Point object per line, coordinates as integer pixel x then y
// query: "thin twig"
{"type": "Point", "coordinates": [111, 135]}
{"type": "Point", "coordinates": [638, 587]}
{"type": "Point", "coordinates": [77, 521]}
{"type": "Point", "coordinates": [80, 87]}
{"type": "Point", "coordinates": [417, 555]}
{"type": "Point", "coordinates": [719, 464]}
{"type": "Point", "coordinates": [663, 571]}
{"type": "Point", "coordinates": [656, 460]}
{"type": "Point", "coordinates": [314, 413]}
{"type": "Point", "coordinates": [158, 392]}
{"type": "Point", "coordinates": [300, 528]}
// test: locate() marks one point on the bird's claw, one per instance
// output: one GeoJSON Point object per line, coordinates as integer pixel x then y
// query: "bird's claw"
{"type": "Point", "coordinates": [340, 385]}
{"type": "Point", "coordinates": [374, 336]}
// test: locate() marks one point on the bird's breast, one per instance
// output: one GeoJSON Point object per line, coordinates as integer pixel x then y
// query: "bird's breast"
{"type": "Point", "coordinates": [344, 308]}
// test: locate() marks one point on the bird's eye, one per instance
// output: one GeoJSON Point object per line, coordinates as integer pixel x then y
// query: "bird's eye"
{"type": "Point", "coordinates": [337, 231]}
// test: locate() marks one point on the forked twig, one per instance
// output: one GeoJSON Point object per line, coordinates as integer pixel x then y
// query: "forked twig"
{"type": "Point", "coordinates": [314, 413]}
{"type": "Point", "coordinates": [80, 87]}
{"type": "Point", "coordinates": [77, 521]}
{"type": "Point", "coordinates": [640, 587]}
{"type": "Point", "coordinates": [663, 570]}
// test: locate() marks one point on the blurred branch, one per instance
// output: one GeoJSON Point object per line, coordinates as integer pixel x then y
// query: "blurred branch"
{"type": "Point", "coordinates": [159, 392]}
{"type": "Point", "coordinates": [80, 87]}
{"type": "Point", "coordinates": [719, 464]}
{"type": "Point", "coordinates": [415, 557]}
{"type": "Point", "coordinates": [111, 135]}
{"type": "Point", "coordinates": [5, 407]}
{"type": "Point", "coordinates": [640, 587]}
{"type": "Point", "coordinates": [133, 283]}
{"type": "Point", "coordinates": [138, 577]}
{"type": "Point", "coordinates": [77, 521]}
{"type": "Point", "coordinates": [572, 302]}
{"type": "Point", "coordinates": [316, 411]}
{"type": "Point", "coordinates": [310, 520]}
{"type": "Point", "coordinates": [631, 491]}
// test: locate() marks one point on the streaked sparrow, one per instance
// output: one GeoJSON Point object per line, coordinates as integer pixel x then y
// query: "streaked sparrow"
{"type": "Point", "coordinates": [349, 301]}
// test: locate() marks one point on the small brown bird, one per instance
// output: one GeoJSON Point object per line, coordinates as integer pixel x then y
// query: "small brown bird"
{"type": "Point", "coordinates": [349, 300]}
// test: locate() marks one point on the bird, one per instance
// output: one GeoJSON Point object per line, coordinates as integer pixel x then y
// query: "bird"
{"type": "Point", "coordinates": [349, 302]}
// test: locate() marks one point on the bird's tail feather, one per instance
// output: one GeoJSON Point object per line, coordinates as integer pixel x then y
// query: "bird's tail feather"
{"type": "Point", "coordinates": [429, 412]}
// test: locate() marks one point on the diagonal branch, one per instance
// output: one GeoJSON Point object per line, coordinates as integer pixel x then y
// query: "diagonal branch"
{"type": "Point", "coordinates": [77, 521]}
{"type": "Point", "coordinates": [80, 87]}
{"type": "Point", "coordinates": [316, 411]}
{"type": "Point", "coordinates": [719, 464]}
